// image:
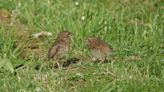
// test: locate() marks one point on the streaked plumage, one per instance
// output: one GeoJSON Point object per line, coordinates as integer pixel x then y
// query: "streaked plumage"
{"type": "Point", "coordinates": [60, 47]}
{"type": "Point", "coordinates": [99, 49]}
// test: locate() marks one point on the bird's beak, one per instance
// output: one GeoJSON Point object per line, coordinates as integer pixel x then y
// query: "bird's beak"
{"type": "Point", "coordinates": [70, 33]}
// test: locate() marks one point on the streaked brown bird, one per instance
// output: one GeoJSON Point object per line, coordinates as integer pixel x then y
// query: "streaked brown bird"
{"type": "Point", "coordinates": [99, 49]}
{"type": "Point", "coordinates": [60, 47]}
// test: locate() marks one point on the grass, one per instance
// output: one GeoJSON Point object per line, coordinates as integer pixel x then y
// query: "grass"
{"type": "Point", "coordinates": [135, 30]}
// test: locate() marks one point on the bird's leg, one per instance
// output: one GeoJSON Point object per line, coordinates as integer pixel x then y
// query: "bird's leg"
{"type": "Point", "coordinates": [102, 60]}
{"type": "Point", "coordinates": [59, 66]}
{"type": "Point", "coordinates": [60, 63]}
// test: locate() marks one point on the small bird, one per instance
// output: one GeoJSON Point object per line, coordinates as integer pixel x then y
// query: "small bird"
{"type": "Point", "coordinates": [99, 49]}
{"type": "Point", "coordinates": [60, 47]}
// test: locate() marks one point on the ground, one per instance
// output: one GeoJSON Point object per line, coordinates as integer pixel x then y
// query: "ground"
{"type": "Point", "coordinates": [134, 29]}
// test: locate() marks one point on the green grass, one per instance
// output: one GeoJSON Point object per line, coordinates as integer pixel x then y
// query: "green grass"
{"type": "Point", "coordinates": [132, 28]}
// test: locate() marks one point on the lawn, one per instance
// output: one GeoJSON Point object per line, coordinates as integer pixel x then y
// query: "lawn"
{"type": "Point", "coordinates": [134, 29]}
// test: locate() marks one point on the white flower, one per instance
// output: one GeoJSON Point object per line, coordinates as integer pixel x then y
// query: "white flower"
{"type": "Point", "coordinates": [76, 3]}
{"type": "Point", "coordinates": [83, 18]}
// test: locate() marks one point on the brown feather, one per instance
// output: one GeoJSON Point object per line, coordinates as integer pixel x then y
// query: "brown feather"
{"type": "Point", "coordinates": [60, 46]}
{"type": "Point", "coordinates": [99, 49]}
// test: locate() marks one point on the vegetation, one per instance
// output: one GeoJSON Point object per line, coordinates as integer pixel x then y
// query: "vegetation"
{"type": "Point", "coordinates": [134, 29]}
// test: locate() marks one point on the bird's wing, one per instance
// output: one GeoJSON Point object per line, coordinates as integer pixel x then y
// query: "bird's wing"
{"type": "Point", "coordinates": [53, 51]}
{"type": "Point", "coordinates": [105, 48]}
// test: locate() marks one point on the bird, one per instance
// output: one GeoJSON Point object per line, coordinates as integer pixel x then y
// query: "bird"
{"type": "Point", "coordinates": [60, 47]}
{"type": "Point", "coordinates": [98, 48]}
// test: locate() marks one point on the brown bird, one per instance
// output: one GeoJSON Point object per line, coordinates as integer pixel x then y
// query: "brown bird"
{"type": "Point", "coordinates": [99, 49]}
{"type": "Point", "coordinates": [60, 47]}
